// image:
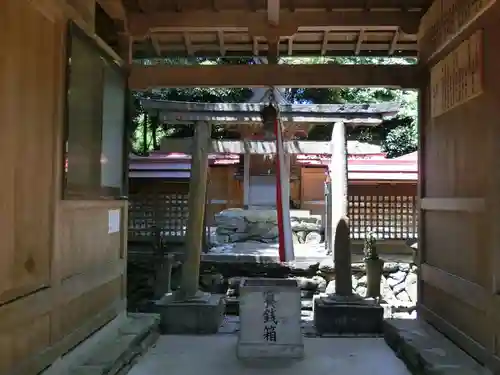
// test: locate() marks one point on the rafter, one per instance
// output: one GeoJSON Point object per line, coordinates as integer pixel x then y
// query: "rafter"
{"type": "Point", "coordinates": [258, 24]}
{"type": "Point", "coordinates": [359, 43]}
{"type": "Point", "coordinates": [220, 38]}
{"type": "Point", "coordinates": [255, 46]}
{"type": "Point", "coordinates": [394, 43]}
{"type": "Point", "coordinates": [324, 43]}
{"type": "Point", "coordinates": [156, 45]}
{"type": "Point", "coordinates": [187, 43]}
{"type": "Point", "coordinates": [116, 11]}
{"type": "Point", "coordinates": [273, 12]}
{"type": "Point", "coordinates": [263, 75]}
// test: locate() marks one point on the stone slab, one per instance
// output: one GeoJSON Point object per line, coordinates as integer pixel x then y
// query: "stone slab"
{"type": "Point", "coordinates": [347, 316]}
{"type": "Point", "coordinates": [305, 254]}
{"type": "Point", "coordinates": [197, 316]}
{"type": "Point", "coordinates": [270, 319]}
{"type": "Point", "coordinates": [426, 351]}
{"type": "Point", "coordinates": [116, 351]}
{"type": "Point", "coordinates": [214, 355]}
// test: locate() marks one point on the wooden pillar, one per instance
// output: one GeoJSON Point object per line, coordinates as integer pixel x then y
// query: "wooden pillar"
{"type": "Point", "coordinates": [197, 202]}
{"type": "Point", "coordinates": [328, 217]}
{"type": "Point", "coordinates": [246, 179]}
{"type": "Point", "coordinates": [338, 209]}
{"type": "Point", "coordinates": [424, 108]}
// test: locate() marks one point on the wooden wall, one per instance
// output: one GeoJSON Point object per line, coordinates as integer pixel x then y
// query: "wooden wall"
{"type": "Point", "coordinates": [224, 191]}
{"type": "Point", "coordinates": [61, 273]}
{"type": "Point", "coordinates": [460, 183]}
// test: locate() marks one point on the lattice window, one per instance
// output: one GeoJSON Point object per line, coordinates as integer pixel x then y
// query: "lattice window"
{"type": "Point", "coordinates": [390, 217]}
{"type": "Point", "coordinates": [141, 215]}
{"type": "Point", "coordinates": [166, 211]}
{"type": "Point", "coordinates": [172, 214]}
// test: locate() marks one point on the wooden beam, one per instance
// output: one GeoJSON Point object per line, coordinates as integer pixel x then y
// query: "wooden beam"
{"type": "Point", "coordinates": [324, 43]}
{"type": "Point", "coordinates": [441, 32]}
{"type": "Point", "coordinates": [257, 23]}
{"type": "Point", "coordinates": [265, 75]}
{"type": "Point", "coordinates": [116, 10]}
{"type": "Point", "coordinates": [187, 43]}
{"type": "Point", "coordinates": [471, 205]}
{"type": "Point", "coordinates": [359, 43]}
{"type": "Point", "coordinates": [464, 290]}
{"type": "Point", "coordinates": [220, 38]}
{"type": "Point", "coordinates": [273, 12]}
{"type": "Point", "coordinates": [394, 42]}
{"type": "Point", "coordinates": [185, 146]}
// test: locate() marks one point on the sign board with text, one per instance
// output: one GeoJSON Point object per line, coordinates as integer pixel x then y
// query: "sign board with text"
{"type": "Point", "coordinates": [445, 20]}
{"type": "Point", "coordinates": [458, 78]}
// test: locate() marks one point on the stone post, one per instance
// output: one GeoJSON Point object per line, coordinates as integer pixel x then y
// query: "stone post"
{"type": "Point", "coordinates": [197, 202]}
{"type": "Point", "coordinates": [338, 210]}
{"type": "Point", "coordinates": [343, 312]}
{"type": "Point", "coordinates": [163, 276]}
{"type": "Point", "coordinates": [246, 179]}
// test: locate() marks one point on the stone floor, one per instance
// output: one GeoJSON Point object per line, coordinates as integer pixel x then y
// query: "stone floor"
{"type": "Point", "coordinates": [195, 355]}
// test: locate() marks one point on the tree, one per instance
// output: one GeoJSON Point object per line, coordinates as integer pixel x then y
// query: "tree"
{"type": "Point", "coordinates": [397, 136]}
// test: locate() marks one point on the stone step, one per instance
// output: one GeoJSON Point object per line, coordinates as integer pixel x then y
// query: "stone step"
{"type": "Point", "coordinates": [426, 351]}
{"type": "Point", "coordinates": [115, 352]}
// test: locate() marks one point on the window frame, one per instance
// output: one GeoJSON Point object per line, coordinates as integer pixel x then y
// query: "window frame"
{"type": "Point", "coordinates": [100, 192]}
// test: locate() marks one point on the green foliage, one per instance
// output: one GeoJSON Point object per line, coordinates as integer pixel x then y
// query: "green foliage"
{"type": "Point", "coordinates": [400, 141]}
{"type": "Point", "coordinates": [397, 136]}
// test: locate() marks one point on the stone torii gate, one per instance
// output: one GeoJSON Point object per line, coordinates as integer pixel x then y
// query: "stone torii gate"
{"type": "Point", "coordinates": [200, 146]}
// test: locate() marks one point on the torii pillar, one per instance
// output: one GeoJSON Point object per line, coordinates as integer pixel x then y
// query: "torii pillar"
{"type": "Point", "coordinates": [189, 311]}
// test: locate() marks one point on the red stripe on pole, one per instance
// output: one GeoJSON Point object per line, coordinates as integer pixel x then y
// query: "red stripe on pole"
{"type": "Point", "coordinates": [279, 197]}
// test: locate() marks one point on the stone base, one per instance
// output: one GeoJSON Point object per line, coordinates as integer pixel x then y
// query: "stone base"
{"type": "Point", "coordinates": [232, 306]}
{"type": "Point", "coordinates": [201, 315]}
{"type": "Point", "coordinates": [252, 352]}
{"type": "Point", "coordinates": [347, 315]}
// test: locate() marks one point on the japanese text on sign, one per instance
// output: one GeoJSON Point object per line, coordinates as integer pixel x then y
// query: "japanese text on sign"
{"type": "Point", "coordinates": [458, 77]}
{"type": "Point", "coordinates": [269, 316]}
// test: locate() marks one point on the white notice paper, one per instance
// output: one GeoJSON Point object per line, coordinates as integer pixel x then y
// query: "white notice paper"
{"type": "Point", "coordinates": [113, 221]}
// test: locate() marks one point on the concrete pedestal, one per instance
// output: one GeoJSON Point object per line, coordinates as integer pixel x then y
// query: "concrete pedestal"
{"type": "Point", "coordinates": [347, 315]}
{"type": "Point", "coordinates": [203, 314]}
{"type": "Point", "coordinates": [270, 313]}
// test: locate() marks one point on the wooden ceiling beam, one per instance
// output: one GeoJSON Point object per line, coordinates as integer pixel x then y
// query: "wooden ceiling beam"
{"type": "Point", "coordinates": [140, 25]}
{"type": "Point", "coordinates": [394, 43]}
{"type": "Point", "coordinates": [273, 12]}
{"type": "Point", "coordinates": [324, 43]}
{"type": "Point", "coordinates": [255, 46]}
{"type": "Point", "coordinates": [156, 46]}
{"type": "Point", "coordinates": [220, 38]}
{"type": "Point", "coordinates": [116, 11]}
{"type": "Point", "coordinates": [188, 44]}
{"type": "Point", "coordinates": [359, 43]}
{"type": "Point", "coordinates": [273, 41]}
{"type": "Point", "coordinates": [264, 75]}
